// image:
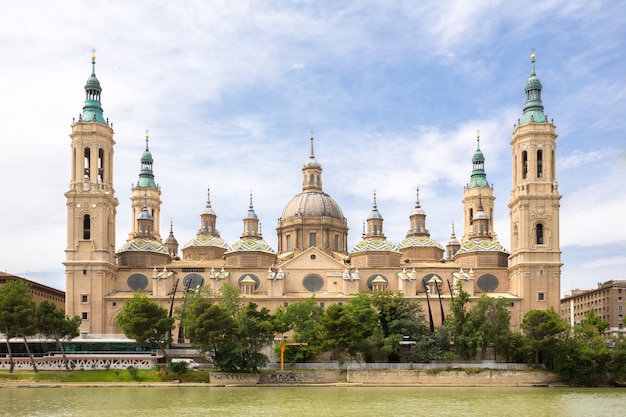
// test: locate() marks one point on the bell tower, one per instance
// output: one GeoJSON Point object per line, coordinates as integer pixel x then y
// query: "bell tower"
{"type": "Point", "coordinates": [90, 265]}
{"type": "Point", "coordinates": [535, 260]}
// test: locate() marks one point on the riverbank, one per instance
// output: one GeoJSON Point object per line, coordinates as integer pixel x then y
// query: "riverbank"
{"type": "Point", "coordinates": [152, 378]}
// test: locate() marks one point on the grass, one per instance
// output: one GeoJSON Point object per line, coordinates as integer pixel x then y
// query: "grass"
{"type": "Point", "coordinates": [104, 376]}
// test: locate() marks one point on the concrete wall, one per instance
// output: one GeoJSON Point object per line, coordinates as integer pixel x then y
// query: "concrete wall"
{"type": "Point", "coordinates": [436, 377]}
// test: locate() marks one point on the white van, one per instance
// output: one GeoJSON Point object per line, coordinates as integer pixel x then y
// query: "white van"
{"type": "Point", "coordinates": [191, 364]}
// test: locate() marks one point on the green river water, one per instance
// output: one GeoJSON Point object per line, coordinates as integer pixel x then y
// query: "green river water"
{"type": "Point", "coordinates": [312, 401]}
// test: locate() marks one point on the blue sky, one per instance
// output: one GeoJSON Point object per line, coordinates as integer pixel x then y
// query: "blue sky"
{"type": "Point", "coordinates": [394, 92]}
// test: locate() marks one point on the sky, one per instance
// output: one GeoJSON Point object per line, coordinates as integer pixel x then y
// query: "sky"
{"type": "Point", "coordinates": [394, 93]}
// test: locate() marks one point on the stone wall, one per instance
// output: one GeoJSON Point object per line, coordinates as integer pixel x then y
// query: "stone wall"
{"type": "Point", "coordinates": [454, 377]}
{"type": "Point", "coordinates": [434, 377]}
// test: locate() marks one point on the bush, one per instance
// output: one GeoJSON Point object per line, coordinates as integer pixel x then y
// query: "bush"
{"type": "Point", "coordinates": [179, 367]}
{"type": "Point", "coordinates": [134, 372]}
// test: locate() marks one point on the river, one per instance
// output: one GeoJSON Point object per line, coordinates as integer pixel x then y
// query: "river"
{"type": "Point", "coordinates": [319, 401]}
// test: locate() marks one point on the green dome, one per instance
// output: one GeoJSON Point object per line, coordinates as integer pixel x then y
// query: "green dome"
{"type": "Point", "coordinates": [92, 110]}
{"type": "Point", "coordinates": [533, 108]}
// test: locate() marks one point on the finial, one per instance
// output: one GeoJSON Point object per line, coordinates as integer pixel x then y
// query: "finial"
{"type": "Point", "coordinates": [375, 206]}
{"type": "Point", "coordinates": [250, 200]}
{"type": "Point", "coordinates": [93, 55]}
{"type": "Point", "coordinates": [533, 55]}
{"type": "Point", "coordinates": [171, 226]}
{"type": "Point", "coordinates": [147, 137]}
{"type": "Point", "coordinates": [417, 200]}
{"type": "Point", "coordinates": [452, 228]}
{"type": "Point", "coordinates": [312, 152]}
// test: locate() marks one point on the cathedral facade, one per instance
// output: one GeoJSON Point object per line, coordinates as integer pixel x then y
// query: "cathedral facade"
{"type": "Point", "coordinates": [312, 257]}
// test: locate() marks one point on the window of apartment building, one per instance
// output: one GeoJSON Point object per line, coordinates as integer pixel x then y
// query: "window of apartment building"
{"type": "Point", "coordinates": [84, 298]}
{"type": "Point", "coordinates": [85, 316]}
{"type": "Point", "coordinates": [541, 296]}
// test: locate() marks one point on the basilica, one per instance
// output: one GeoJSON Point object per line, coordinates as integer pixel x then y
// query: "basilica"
{"type": "Point", "coordinates": [312, 257]}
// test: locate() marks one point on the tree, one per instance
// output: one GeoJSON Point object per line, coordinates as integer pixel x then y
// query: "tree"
{"type": "Point", "coordinates": [542, 333]}
{"type": "Point", "coordinates": [17, 315]}
{"type": "Point", "coordinates": [462, 326]}
{"type": "Point", "coordinates": [399, 318]}
{"type": "Point", "coordinates": [53, 323]}
{"type": "Point", "coordinates": [490, 317]}
{"type": "Point", "coordinates": [210, 327]}
{"type": "Point", "coordinates": [145, 321]}
{"type": "Point", "coordinates": [304, 319]}
{"type": "Point", "coordinates": [352, 328]}
{"type": "Point", "coordinates": [232, 335]}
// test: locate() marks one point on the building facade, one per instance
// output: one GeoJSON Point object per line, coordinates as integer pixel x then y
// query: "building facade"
{"type": "Point", "coordinates": [40, 292]}
{"type": "Point", "coordinates": [312, 257]}
{"type": "Point", "coordinates": [608, 301]}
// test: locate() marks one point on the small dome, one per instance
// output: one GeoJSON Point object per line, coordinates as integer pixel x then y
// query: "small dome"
{"type": "Point", "coordinates": [171, 240]}
{"type": "Point", "coordinates": [312, 204]}
{"type": "Point", "coordinates": [419, 242]}
{"type": "Point", "coordinates": [375, 245]}
{"type": "Point", "coordinates": [250, 245]}
{"type": "Point", "coordinates": [93, 83]}
{"type": "Point", "coordinates": [481, 246]}
{"type": "Point", "coordinates": [143, 245]}
{"type": "Point", "coordinates": [206, 241]}
{"type": "Point", "coordinates": [480, 215]}
{"type": "Point", "coordinates": [145, 214]}
{"type": "Point", "coordinates": [453, 241]}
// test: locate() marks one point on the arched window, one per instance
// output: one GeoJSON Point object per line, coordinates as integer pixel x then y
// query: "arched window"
{"type": "Point", "coordinates": [100, 165]}
{"type": "Point", "coordinates": [539, 234]}
{"type": "Point", "coordinates": [86, 227]}
{"type": "Point", "coordinates": [86, 162]}
{"type": "Point", "coordinates": [539, 163]}
{"type": "Point", "coordinates": [524, 164]}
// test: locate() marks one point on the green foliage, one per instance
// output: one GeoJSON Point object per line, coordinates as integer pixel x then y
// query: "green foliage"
{"type": "Point", "coordinates": [352, 328]}
{"type": "Point", "coordinates": [53, 323]}
{"type": "Point", "coordinates": [304, 319]}
{"type": "Point", "coordinates": [543, 331]}
{"type": "Point", "coordinates": [490, 318]}
{"type": "Point", "coordinates": [145, 321]}
{"type": "Point", "coordinates": [17, 314]}
{"type": "Point", "coordinates": [133, 372]}
{"type": "Point", "coordinates": [179, 368]}
{"type": "Point", "coordinates": [232, 336]}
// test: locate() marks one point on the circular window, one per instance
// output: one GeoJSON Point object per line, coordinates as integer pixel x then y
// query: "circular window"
{"type": "Point", "coordinates": [428, 278]}
{"type": "Point", "coordinates": [193, 281]}
{"type": "Point", "coordinates": [248, 277]}
{"type": "Point", "coordinates": [488, 283]}
{"type": "Point", "coordinates": [137, 282]}
{"type": "Point", "coordinates": [378, 278]}
{"type": "Point", "coordinates": [313, 282]}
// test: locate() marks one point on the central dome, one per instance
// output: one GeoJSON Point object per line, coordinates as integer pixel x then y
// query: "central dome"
{"type": "Point", "coordinates": [312, 204]}
{"type": "Point", "coordinates": [312, 218]}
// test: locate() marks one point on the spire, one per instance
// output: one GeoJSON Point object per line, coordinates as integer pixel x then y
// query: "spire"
{"type": "Point", "coordinates": [145, 222]}
{"type": "Point", "coordinates": [251, 213]}
{"type": "Point", "coordinates": [251, 224]}
{"type": "Point", "coordinates": [417, 219]}
{"type": "Point", "coordinates": [171, 244]}
{"type": "Point", "coordinates": [479, 177]}
{"type": "Point", "coordinates": [92, 110]}
{"type": "Point", "coordinates": [375, 214]}
{"type": "Point", "coordinates": [208, 219]}
{"type": "Point", "coordinates": [208, 209]}
{"type": "Point", "coordinates": [533, 109]}
{"type": "Point", "coordinates": [146, 175]}
{"type": "Point", "coordinates": [312, 173]}
{"type": "Point", "coordinates": [374, 223]}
